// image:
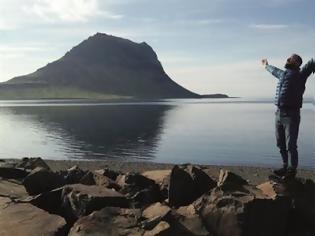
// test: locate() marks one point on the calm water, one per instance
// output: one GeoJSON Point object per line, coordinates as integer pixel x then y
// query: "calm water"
{"type": "Point", "coordinates": [207, 131]}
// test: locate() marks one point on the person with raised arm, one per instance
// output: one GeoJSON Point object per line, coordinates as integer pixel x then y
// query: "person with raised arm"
{"type": "Point", "coordinates": [289, 101]}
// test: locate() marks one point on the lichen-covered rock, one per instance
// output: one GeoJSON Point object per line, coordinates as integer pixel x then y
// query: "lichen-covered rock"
{"type": "Point", "coordinates": [80, 200]}
{"type": "Point", "coordinates": [243, 213]}
{"type": "Point", "coordinates": [109, 221]}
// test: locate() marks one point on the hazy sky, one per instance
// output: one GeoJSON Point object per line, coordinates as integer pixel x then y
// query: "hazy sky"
{"type": "Point", "coordinates": [208, 46]}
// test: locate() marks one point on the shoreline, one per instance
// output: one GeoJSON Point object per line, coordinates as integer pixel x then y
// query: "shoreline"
{"type": "Point", "coordinates": [254, 174]}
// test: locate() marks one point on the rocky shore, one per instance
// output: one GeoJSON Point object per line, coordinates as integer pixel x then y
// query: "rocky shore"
{"type": "Point", "coordinates": [76, 198]}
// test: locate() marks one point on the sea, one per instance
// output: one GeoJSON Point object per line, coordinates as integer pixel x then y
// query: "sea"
{"type": "Point", "coordinates": [232, 131]}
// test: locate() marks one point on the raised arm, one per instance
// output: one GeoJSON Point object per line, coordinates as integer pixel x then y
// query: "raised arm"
{"type": "Point", "coordinates": [308, 68]}
{"type": "Point", "coordinates": [276, 72]}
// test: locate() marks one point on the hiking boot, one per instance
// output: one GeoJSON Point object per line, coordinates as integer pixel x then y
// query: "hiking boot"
{"type": "Point", "coordinates": [280, 172]}
{"type": "Point", "coordinates": [291, 173]}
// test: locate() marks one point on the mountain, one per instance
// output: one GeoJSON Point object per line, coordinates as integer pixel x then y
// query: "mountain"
{"type": "Point", "coordinates": [101, 66]}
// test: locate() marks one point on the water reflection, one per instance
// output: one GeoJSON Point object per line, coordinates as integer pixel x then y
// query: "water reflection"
{"type": "Point", "coordinates": [61, 132]}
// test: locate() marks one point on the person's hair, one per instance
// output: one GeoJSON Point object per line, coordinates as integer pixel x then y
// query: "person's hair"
{"type": "Point", "coordinates": [298, 59]}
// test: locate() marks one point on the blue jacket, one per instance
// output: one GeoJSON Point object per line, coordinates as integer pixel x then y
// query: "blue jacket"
{"type": "Point", "coordinates": [291, 85]}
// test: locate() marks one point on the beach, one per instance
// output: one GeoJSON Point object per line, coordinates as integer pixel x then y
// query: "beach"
{"type": "Point", "coordinates": [253, 174]}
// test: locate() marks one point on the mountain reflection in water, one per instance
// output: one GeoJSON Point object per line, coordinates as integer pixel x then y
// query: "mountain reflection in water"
{"type": "Point", "coordinates": [88, 132]}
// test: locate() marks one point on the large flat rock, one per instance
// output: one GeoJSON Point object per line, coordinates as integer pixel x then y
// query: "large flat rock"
{"type": "Point", "coordinates": [80, 200]}
{"type": "Point", "coordinates": [28, 220]}
{"type": "Point", "coordinates": [110, 221]}
{"type": "Point", "coordinates": [12, 189]}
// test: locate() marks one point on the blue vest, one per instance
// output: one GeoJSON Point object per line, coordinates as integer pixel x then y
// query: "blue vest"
{"type": "Point", "coordinates": [290, 90]}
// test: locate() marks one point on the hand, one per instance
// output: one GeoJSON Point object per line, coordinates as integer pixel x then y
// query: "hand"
{"type": "Point", "coordinates": [264, 62]}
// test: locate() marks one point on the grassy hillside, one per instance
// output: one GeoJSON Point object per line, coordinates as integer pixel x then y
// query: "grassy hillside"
{"type": "Point", "coordinates": [8, 93]}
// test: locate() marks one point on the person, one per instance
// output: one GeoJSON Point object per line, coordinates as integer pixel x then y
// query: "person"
{"type": "Point", "coordinates": [289, 100]}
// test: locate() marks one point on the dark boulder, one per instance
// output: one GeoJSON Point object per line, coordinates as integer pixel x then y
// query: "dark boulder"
{"type": "Point", "coordinates": [187, 184]}
{"type": "Point", "coordinates": [141, 190]}
{"type": "Point", "coordinates": [49, 201]}
{"type": "Point", "coordinates": [13, 173]}
{"type": "Point", "coordinates": [228, 181]}
{"type": "Point", "coordinates": [301, 192]}
{"type": "Point", "coordinates": [73, 175]}
{"type": "Point", "coordinates": [42, 180]}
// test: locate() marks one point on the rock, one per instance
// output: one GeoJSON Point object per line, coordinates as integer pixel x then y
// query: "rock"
{"type": "Point", "coordinates": [187, 184]}
{"type": "Point", "coordinates": [73, 175]}
{"type": "Point", "coordinates": [156, 209]}
{"type": "Point", "coordinates": [181, 188]}
{"type": "Point", "coordinates": [134, 179]}
{"type": "Point", "coordinates": [243, 213]}
{"type": "Point", "coordinates": [80, 200]}
{"type": "Point", "coordinates": [4, 202]}
{"type": "Point", "coordinates": [12, 173]}
{"type": "Point", "coordinates": [97, 178]}
{"type": "Point", "coordinates": [49, 201]}
{"type": "Point", "coordinates": [28, 220]}
{"type": "Point", "coordinates": [191, 221]}
{"type": "Point", "coordinates": [154, 214]}
{"type": "Point", "coordinates": [108, 173]}
{"type": "Point", "coordinates": [109, 221]}
{"type": "Point", "coordinates": [32, 163]}
{"type": "Point", "coordinates": [42, 180]}
{"type": "Point", "coordinates": [302, 214]}
{"type": "Point", "coordinates": [145, 197]}
{"type": "Point", "coordinates": [302, 195]}
{"type": "Point", "coordinates": [202, 181]}
{"type": "Point", "coordinates": [87, 179]}
{"type": "Point", "coordinates": [228, 181]}
{"type": "Point", "coordinates": [183, 221]}
{"type": "Point", "coordinates": [141, 190]}
{"type": "Point", "coordinates": [162, 229]}
{"type": "Point", "coordinates": [272, 189]}
{"type": "Point", "coordinates": [160, 177]}
{"type": "Point", "coordinates": [12, 189]}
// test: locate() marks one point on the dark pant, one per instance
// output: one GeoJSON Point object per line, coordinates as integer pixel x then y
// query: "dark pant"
{"type": "Point", "coordinates": [287, 130]}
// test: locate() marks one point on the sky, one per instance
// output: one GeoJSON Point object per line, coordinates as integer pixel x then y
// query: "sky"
{"type": "Point", "coordinates": [207, 46]}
